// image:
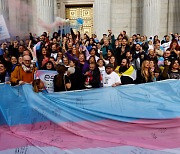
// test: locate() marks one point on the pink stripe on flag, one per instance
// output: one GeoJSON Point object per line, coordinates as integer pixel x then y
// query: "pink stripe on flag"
{"type": "Point", "coordinates": [11, 140]}
{"type": "Point", "coordinates": [46, 134]}
{"type": "Point", "coordinates": [34, 48]}
{"type": "Point", "coordinates": [150, 134]}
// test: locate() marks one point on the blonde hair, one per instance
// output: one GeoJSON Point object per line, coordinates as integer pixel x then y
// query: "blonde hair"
{"type": "Point", "coordinates": [145, 72]}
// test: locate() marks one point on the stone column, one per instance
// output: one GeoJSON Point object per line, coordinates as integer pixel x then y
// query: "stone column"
{"type": "Point", "coordinates": [19, 11]}
{"type": "Point", "coordinates": [45, 12]}
{"type": "Point", "coordinates": [102, 15]}
{"type": "Point", "coordinates": [14, 17]}
{"type": "Point", "coordinates": [151, 17]}
{"type": "Point", "coordinates": [4, 9]}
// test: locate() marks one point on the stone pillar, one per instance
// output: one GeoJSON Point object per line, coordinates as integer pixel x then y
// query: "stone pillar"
{"type": "Point", "coordinates": [151, 17]}
{"type": "Point", "coordinates": [56, 11]}
{"type": "Point", "coordinates": [18, 22]}
{"type": "Point", "coordinates": [45, 12]}
{"type": "Point", "coordinates": [102, 17]}
{"type": "Point", "coordinates": [173, 23]}
{"type": "Point", "coordinates": [4, 9]}
{"type": "Point", "coordinates": [14, 17]}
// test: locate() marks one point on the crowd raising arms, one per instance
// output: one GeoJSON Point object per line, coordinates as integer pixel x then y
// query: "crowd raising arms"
{"type": "Point", "coordinates": [86, 62]}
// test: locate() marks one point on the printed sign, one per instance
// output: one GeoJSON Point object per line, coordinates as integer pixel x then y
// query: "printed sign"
{"type": "Point", "coordinates": [47, 77]}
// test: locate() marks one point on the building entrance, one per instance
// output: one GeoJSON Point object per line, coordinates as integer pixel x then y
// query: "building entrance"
{"type": "Point", "coordinates": [85, 12]}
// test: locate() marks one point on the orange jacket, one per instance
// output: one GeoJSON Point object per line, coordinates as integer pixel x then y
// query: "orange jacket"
{"type": "Point", "coordinates": [20, 75]}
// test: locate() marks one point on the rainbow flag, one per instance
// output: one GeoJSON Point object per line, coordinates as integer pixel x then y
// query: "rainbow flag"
{"type": "Point", "coordinates": [129, 119]}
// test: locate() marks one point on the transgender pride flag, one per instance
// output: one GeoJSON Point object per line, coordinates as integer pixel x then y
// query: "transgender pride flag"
{"type": "Point", "coordinates": [36, 48]}
{"type": "Point", "coordinates": [133, 119]}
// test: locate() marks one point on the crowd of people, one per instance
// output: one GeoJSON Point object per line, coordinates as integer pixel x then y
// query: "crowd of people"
{"type": "Point", "coordinates": [86, 62]}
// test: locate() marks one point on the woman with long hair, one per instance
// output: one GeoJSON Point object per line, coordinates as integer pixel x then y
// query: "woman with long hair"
{"type": "Point", "coordinates": [38, 86]}
{"type": "Point", "coordinates": [155, 69]}
{"type": "Point", "coordinates": [49, 66]}
{"type": "Point", "coordinates": [106, 59]}
{"type": "Point", "coordinates": [171, 70]}
{"type": "Point", "coordinates": [130, 42]}
{"type": "Point", "coordinates": [72, 54]}
{"type": "Point", "coordinates": [146, 75]}
{"type": "Point", "coordinates": [155, 39]}
{"type": "Point", "coordinates": [44, 57]}
{"type": "Point", "coordinates": [92, 59]}
{"type": "Point", "coordinates": [174, 49]}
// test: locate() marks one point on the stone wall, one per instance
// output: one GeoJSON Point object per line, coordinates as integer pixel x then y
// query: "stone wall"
{"type": "Point", "coordinates": [173, 12]}
{"type": "Point", "coordinates": [169, 17]}
{"type": "Point", "coordinates": [126, 15]}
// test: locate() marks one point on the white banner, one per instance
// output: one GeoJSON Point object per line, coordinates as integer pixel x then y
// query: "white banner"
{"type": "Point", "coordinates": [47, 77]}
{"type": "Point", "coordinates": [4, 34]}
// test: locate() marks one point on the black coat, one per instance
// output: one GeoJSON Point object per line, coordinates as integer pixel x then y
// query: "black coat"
{"type": "Point", "coordinates": [2, 78]}
{"type": "Point", "coordinates": [95, 82]}
{"type": "Point", "coordinates": [59, 82]}
{"type": "Point", "coordinates": [119, 56]}
{"type": "Point", "coordinates": [76, 79]}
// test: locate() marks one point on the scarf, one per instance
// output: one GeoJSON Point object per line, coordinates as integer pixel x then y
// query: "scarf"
{"type": "Point", "coordinates": [27, 69]}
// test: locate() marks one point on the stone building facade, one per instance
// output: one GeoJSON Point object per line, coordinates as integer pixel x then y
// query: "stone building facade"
{"type": "Point", "coordinates": [147, 17]}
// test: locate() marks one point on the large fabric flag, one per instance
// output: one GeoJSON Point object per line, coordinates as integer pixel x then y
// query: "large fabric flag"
{"type": "Point", "coordinates": [131, 119]}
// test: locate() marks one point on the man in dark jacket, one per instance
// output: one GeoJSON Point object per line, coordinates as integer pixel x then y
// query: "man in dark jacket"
{"type": "Point", "coordinates": [139, 56]}
{"type": "Point", "coordinates": [93, 76]}
{"type": "Point", "coordinates": [121, 51]}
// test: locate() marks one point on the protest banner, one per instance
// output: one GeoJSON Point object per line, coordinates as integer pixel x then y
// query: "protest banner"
{"type": "Point", "coordinates": [47, 77]}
